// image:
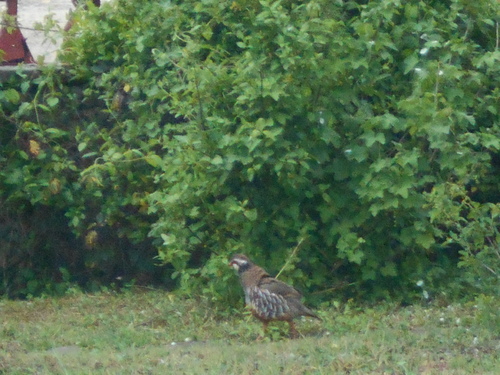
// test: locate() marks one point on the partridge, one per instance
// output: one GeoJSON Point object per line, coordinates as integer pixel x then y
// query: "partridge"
{"type": "Point", "coordinates": [268, 298]}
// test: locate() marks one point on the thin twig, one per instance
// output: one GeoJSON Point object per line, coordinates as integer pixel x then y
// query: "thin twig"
{"type": "Point", "coordinates": [290, 257]}
{"type": "Point", "coordinates": [489, 269]}
{"type": "Point", "coordinates": [498, 37]}
{"type": "Point", "coordinates": [3, 24]}
{"type": "Point", "coordinates": [200, 105]}
{"type": "Point", "coordinates": [436, 88]}
{"type": "Point", "coordinates": [335, 288]}
{"type": "Point", "coordinates": [493, 244]}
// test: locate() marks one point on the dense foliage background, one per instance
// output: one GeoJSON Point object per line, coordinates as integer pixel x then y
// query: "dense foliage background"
{"type": "Point", "coordinates": [356, 141]}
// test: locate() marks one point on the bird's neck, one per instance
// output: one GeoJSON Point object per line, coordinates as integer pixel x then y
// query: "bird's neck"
{"type": "Point", "coordinates": [252, 276]}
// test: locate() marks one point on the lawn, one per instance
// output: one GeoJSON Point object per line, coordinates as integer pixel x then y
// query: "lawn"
{"type": "Point", "coordinates": [154, 332]}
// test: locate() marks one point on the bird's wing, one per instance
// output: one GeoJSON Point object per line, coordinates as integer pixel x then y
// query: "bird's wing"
{"type": "Point", "coordinates": [278, 287]}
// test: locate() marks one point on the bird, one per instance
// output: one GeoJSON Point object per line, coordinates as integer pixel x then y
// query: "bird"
{"type": "Point", "coordinates": [268, 298]}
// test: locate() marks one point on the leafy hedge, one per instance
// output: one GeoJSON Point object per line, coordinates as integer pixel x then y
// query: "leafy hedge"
{"type": "Point", "coordinates": [357, 141]}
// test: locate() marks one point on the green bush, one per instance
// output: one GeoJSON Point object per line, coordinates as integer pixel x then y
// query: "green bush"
{"type": "Point", "coordinates": [43, 195]}
{"type": "Point", "coordinates": [205, 128]}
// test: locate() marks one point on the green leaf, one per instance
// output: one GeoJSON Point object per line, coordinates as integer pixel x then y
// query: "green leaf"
{"type": "Point", "coordinates": [12, 96]}
{"type": "Point", "coordinates": [217, 160]}
{"type": "Point", "coordinates": [168, 239]}
{"type": "Point", "coordinates": [410, 63]}
{"type": "Point", "coordinates": [52, 101]}
{"type": "Point", "coordinates": [251, 214]}
{"type": "Point", "coordinates": [389, 269]}
{"type": "Point", "coordinates": [82, 146]}
{"type": "Point", "coordinates": [371, 137]}
{"type": "Point", "coordinates": [153, 160]}
{"type": "Point", "coordinates": [426, 240]}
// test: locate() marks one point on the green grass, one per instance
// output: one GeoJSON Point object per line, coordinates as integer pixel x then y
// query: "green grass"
{"type": "Point", "coordinates": [155, 332]}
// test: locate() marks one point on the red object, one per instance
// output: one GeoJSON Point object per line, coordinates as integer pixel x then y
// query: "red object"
{"type": "Point", "coordinates": [13, 43]}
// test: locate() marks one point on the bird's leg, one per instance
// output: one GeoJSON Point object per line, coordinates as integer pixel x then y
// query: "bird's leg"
{"type": "Point", "coordinates": [294, 334]}
{"type": "Point", "coordinates": [264, 328]}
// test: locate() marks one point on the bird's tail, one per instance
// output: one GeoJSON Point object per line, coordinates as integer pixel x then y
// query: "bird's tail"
{"type": "Point", "coordinates": [312, 314]}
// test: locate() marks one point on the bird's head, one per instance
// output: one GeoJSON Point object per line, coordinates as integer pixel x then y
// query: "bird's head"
{"type": "Point", "coordinates": [240, 262]}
